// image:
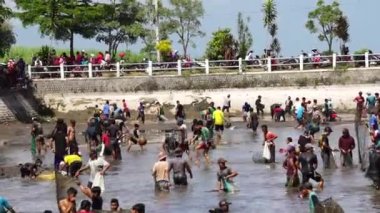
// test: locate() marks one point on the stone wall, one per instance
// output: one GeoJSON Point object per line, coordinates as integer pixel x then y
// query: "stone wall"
{"type": "Point", "coordinates": [202, 82]}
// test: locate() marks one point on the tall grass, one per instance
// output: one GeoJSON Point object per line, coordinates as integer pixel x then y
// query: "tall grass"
{"type": "Point", "coordinates": [27, 53]}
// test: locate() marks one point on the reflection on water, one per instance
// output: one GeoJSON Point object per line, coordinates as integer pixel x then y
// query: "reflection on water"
{"type": "Point", "coordinates": [261, 187]}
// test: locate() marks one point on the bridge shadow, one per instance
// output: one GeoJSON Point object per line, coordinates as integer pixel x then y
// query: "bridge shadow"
{"type": "Point", "coordinates": [23, 104]}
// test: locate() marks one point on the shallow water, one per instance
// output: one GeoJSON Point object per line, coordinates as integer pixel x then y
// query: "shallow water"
{"type": "Point", "coordinates": [261, 187]}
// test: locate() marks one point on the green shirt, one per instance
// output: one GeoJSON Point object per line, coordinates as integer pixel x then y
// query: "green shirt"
{"type": "Point", "coordinates": [205, 134]}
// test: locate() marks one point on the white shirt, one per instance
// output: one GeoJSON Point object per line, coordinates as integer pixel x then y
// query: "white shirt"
{"type": "Point", "coordinates": [95, 167]}
{"type": "Point", "coordinates": [227, 101]}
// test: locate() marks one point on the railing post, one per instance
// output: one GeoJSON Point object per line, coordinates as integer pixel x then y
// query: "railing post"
{"type": "Point", "coordinates": [269, 64]}
{"type": "Point", "coordinates": [179, 67]}
{"type": "Point", "coordinates": [366, 56]}
{"type": "Point", "coordinates": [207, 66]}
{"type": "Point", "coordinates": [90, 70]}
{"type": "Point", "coordinates": [150, 68]}
{"type": "Point", "coordinates": [62, 71]}
{"type": "Point", "coordinates": [301, 62]}
{"type": "Point", "coordinates": [334, 61]}
{"type": "Point", "coordinates": [240, 65]}
{"type": "Point", "coordinates": [30, 71]}
{"type": "Point", "coordinates": [118, 69]}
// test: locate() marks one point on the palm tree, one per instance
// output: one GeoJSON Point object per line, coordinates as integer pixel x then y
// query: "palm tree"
{"type": "Point", "coordinates": [270, 14]}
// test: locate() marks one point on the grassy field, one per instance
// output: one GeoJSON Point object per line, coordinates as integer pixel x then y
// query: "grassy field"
{"type": "Point", "coordinates": [27, 53]}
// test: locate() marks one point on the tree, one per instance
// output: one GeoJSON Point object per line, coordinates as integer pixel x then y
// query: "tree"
{"type": "Point", "coordinates": [184, 18]}
{"type": "Point", "coordinates": [7, 38]}
{"type": "Point", "coordinates": [5, 12]}
{"type": "Point", "coordinates": [121, 23]}
{"type": "Point", "coordinates": [270, 16]}
{"type": "Point", "coordinates": [221, 41]}
{"type": "Point", "coordinates": [164, 47]}
{"type": "Point", "coordinates": [328, 22]}
{"type": "Point", "coordinates": [61, 19]}
{"type": "Point", "coordinates": [245, 39]}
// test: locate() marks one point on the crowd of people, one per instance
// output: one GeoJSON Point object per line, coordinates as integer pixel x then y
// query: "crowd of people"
{"type": "Point", "coordinates": [107, 130]}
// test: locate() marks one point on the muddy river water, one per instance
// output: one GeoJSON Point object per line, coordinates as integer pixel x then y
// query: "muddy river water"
{"type": "Point", "coordinates": [261, 186]}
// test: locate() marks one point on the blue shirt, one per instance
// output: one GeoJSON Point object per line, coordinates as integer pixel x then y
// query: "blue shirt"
{"type": "Point", "coordinates": [4, 205]}
{"type": "Point", "coordinates": [371, 100]}
{"type": "Point", "coordinates": [373, 121]}
{"type": "Point", "coordinates": [300, 112]}
{"type": "Point", "coordinates": [106, 109]}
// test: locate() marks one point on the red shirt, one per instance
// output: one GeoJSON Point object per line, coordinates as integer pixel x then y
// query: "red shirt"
{"type": "Point", "coordinates": [346, 143]}
{"type": "Point", "coordinates": [359, 101]}
{"type": "Point", "coordinates": [106, 139]}
{"type": "Point", "coordinates": [270, 136]}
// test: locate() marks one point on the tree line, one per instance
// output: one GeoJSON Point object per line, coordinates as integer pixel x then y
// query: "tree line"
{"type": "Point", "coordinates": [116, 22]}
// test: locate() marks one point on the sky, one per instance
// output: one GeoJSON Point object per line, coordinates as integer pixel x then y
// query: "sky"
{"type": "Point", "coordinates": [292, 15]}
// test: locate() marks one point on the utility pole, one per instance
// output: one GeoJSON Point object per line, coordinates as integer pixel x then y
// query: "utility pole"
{"type": "Point", "coordinates": [157, 17]}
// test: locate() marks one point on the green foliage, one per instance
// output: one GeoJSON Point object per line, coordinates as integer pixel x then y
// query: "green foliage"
{"type": "Point", "coordinates": [5, 12]}
{"type": "Point", "coordinates": [361, 51]}
{"type": "Point", "coordinates": [7, 38]}
{"type": "Point", "coordinates": [46, 54]}
{"type": "Point", "coordinates": [164, 47]}
{"type": "Point", "coordinates": [121, 23]}
{"type": "Point", "coordinates": [269, 9]}
{"type": "Point", "coordinates": [328, 22]}
{"type": "Point", "coordinates": [245, 38]}
{"type": "Point", "coordinates": [61, 19]}
{"type": "Point", "coordinates": [221, 41]}
{"type": "Point", "coordinates": [185, 20]}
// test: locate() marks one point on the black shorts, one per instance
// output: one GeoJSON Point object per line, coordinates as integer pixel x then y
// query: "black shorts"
{"type": "Point", "coordinates": [227, 108]}
{"type": "Point", "coordinates": [134, 140]}
{"type": "Point", "coordinates": [180, 180]}
{"type": "Point", "coordinates": [74, 167]}
{"type": "Point", "coordinates": [219, 128]}
{"type": "Point", "coordinates": [313, 175]}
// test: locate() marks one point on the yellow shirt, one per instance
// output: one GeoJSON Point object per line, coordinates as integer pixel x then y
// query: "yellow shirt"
{"type": "Point", "coordinates": [218, 116]}
{"type": "Point", "coordinates": [69, 159]}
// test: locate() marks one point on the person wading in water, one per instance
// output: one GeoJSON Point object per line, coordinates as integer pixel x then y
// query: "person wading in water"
{"type": "Point", "coordinates": [160, 173]}
{"type": "Point", "coordinates": [71, 139]}
{"type": "Point", "coordinates": [308, 163]}
{"type": "Point", "coordinates": [269, 138]}
{"type": "Point", "coordinates": [346, 145]}
{"type": "Point", "coordinates": [59, 140]}
{"type": "Point", "coordinates": [68, 204]}
{"type": "Point", "coordinates": [326, 151]}
{"type": "Point", "coordinates": [179, 167]}
{"type": "Point", "coordinates": [225, 176]}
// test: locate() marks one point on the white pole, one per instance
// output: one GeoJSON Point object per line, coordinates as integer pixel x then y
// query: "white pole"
{"type": "Point", "coordinates": [334, 61]}
{"type": "Point", "coordinates": [366, 55]}
{"type": "Point", "coordinates": [207, 66]}
{"type": "Point", "coordinates": [150, 68]}
{"type": "Point", "coordinates": [240, 65]}
{"type": "Point", "coordinates": [118, 69]}
{"type": "Point", "coordinates": [179, 67]}
{"type": "Point", "coordinates": [62, 71]}
{"type": "Point", "coordinates": [301, 62]}
{"type": "Point", "coordinates": [30, 71]}
{"type": "Point", "coordinates": [269, 64]}
{"type": "Point", "coordinates": [90, 70]}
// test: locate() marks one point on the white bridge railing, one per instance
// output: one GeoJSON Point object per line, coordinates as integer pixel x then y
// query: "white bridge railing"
{"type": "Point", "coordinates": [206, 67]}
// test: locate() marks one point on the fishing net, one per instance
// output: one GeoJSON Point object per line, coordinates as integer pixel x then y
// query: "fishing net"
{"type": "Point", "coordinates": [258, 158]}
{"type": "Point", "coordinates": [328, 206]}
{"type": "Point", "coordinates": [373, 170]}
{"type": "Point", "coordinates": [363, 141]}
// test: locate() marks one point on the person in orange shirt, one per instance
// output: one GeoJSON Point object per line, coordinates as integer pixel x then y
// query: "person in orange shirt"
{"type": "Point", "coordinates": [269, 138]}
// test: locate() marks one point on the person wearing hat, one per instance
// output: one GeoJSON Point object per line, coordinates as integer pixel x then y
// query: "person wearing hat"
{"type": "Point", "coordinates": [160, 173]}
{"type": "Point", "coordinates": [138, 208]}
{"type": "Point", "coordinates": [326, 151]}
{"type": "Point", "coordinates": [225, 176]}
{"type": "Point", "coordinates": [346, 145]}
{"type": "Point", "coordinates": [308, 164]}
{"type": "Point", "coordinates": [290, 164]}
{"type": "Point", "coordinates": [179, 167]}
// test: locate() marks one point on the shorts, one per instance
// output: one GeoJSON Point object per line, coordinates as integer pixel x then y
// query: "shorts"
{"type": "Point", "coordinates": [312, 175]}
{"type": "Point", "coordinates": [219, 128]}
{"type": "Point", "coordinates": [180, 180]}
{"type": "Point", "coordinates": [227, 108]}
{"type": "Point", "coordinates": [162, 185]}
{"type": "Point", "coordinates": [203, 145]}
{"type": "Point", "coordinates": [134, 140]}
{"type": "Point", "coordinates": [74, 167]}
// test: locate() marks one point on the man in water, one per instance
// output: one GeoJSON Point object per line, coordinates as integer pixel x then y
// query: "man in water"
{"type": "Point", "coordinates": [326, 151]}
{"type": "Point", "coordinates": [346, 145]}
{"type": "Point", "coordinates": [227, 103]}
{"type": "Point", "coordinates": [141, 112]}
{"type": "Point", "coordinates": [71, 139]}
{"type": "Point", "coordinates": [160, 173]}
{"type": "Point", "coordinates": [307, 191]}
{"type": "Point", "coordinates": [304, 139]}
{"type": "Point", "coordinates": [114, 133]}
{"type": "Point", "coordinates": [179, 111]}
{"type": "Point", "coordinates": [259, 106]}
{"type": "Point", "coordinates": [253, 120]}
{"type": "Point", "coordinates": [224, 207]}
{"type": "Point", "coordinates": [290, 164]}
{"type": "Point", "coordinates": [370, 103]}
{"type": "Point", "coordinates": [289, 106]}
{"type": "Point", "coordinates": [225, 176]}
{"type": "Point", "coordinates": [4, 206]}
{"type": "Point", "coordinates": [245, 109]}
{"type": "Point", "coordinates": [72, 162]}
{"type": "Point", "coordinates": [68, 204]}
{"type": "Point", "coordinates": [138, 208]}
{"type": "Point", "coordinates": [135, 138]}
{"type": "Point", "coordinates": [204, 144]}
{"type": "Point", "coordinates": [269, 138]}
{"type": "Point", "coordinates": [36, 132]}
{"type": "Point", "coordinates": [308, 163]}
{"type": "Point", "coordinates": [58, 142]}
{"type": "Point", "coordinates": [182, 128]}
{"type": "Point", "coordinates": [179, 167]}
{"type": "Point", "coordinates": [95, 165]}
{"type": "Point", "coordinates": [115, 207]}
{"type": "Point", "coordinates": [106, 109]}
{"type": "Point", "coordinates": [359, 105]}
{"type": "Point", "coordinates": [218, 117]}
{"type": "Point", "coordinates": [94, 194]}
